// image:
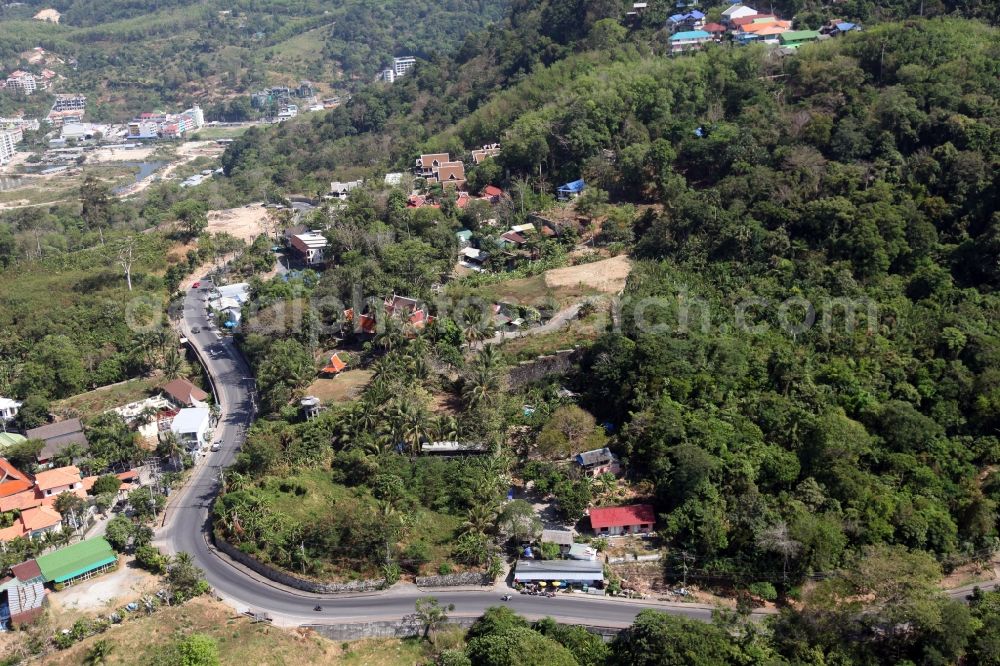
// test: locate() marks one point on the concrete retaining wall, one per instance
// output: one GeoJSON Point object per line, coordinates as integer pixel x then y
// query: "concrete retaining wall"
{"type": "Point", "coordinates": [452, 580]}
{"type": "Point", "coordinates": [293, 581]}
{"type": "Point", "coordinates": [409, 627]}
{"type": "Point", "coordinates": [404, 628]}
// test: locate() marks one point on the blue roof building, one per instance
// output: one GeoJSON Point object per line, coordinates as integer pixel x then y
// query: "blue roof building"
{"type": "Point", "coordinates": [571, 190]}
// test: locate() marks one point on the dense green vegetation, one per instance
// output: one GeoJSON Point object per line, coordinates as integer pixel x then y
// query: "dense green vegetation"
{"type": "Point", "coordinates": [138, 56]}
{"type": "Point", "coordinates": [862, 169]}
{"type": "Point", "coordinates": [914, 626]}
{"type": "Point", "coordinates": [861, 173]}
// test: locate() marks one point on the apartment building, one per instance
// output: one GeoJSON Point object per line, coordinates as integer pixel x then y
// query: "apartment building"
{"type": "Point", "coordinates": [8, 139]}
{"type": "Point", "coordinates": [22, 81]}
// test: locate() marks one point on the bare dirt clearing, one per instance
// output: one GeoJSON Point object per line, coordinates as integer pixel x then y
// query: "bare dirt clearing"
{"type": "Point", "coordinates": [245, 222]}
{"type": "Point", "coordinates": [607, 276]}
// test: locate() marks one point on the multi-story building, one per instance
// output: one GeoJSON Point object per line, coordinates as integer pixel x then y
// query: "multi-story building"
{"type": "Point", "coordinates": [166, 125]}
{"type": "Point", "coordinates": [401, 66]}
{"type": "Point", "coordinates": [8, 140]}
{"type": "Point", "coordinates": [71, 102]}
{"type": "Point", "coordinates": [67, 109]}
{"type": "Point", "coordinates": [23, 81]}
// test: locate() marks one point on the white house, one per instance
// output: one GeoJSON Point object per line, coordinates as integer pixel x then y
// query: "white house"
{"type": "Point", "coordinates": [341, 190]}
{"type": "Point", "coordinates": [310, 247]}
{"type": "Point", "coordinates": [737, 11]}
{"type": "Point", "coordinates": [8, 409]}
{"type": "Point", "coordinates": [191, 427]}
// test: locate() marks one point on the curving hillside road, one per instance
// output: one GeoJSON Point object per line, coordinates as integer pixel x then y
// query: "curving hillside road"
{"type": "Point", "coordinates": [186, 528]}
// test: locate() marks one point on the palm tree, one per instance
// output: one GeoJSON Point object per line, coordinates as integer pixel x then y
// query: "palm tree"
{"type": "Point", "coordinates": [475, 332]}
{"type": "Point", "coordinates": [410, 425]}
{"type": "Point", "coordinates": [145, 417]}
{"type": "Point", "coordinates": [63, 536]}
{"type": "Point", "coordinates": [172, 363]}
{"type": "Point", "coordinates": [480, 386]}
{"type": "Point", "coordinates": [419, 368]}
{"type": "Point", "coordinates": [48, 540]}
{"type": "Point", "coordinates": [445, 428]}
{"type": "Point", "coordinates": [69, 455]}
{"type": "Point", "coordinates": [489, 357]}
{"type": "Point", "coordinates": [168, 447]}
{"type": "Point", "coordinates": [480, 519]}
{"type": "Point", "coordinates": [390, 336]}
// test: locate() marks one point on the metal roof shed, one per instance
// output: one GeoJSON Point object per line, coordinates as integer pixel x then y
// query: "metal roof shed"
{"type": "Point", "coordinates": [77, 560]}
{"type": "Point", "coordinates": [568, 570]}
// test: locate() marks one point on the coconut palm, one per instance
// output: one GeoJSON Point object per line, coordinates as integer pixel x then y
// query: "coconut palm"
{"type": "Point", "coordinates": [410, 425]}
{"type": "Point", "coordinates": [391, 334]}
{"type": "Point", "coordinates": [475, 332]}
{"type": "Point", "coordinates": [172, 363]}
{"type": "Point", "coordinates": [480, 519]}
{"type": "Point", "coordinates": [145, 417]}
{"type": "Point", "coordinates": [480, 385]}
{"type": "Point", "coordinates": [69, 455]}
{"type": "Point", "coordinates": [490, 358]}
{"type": "Point", "coordinates": [168, 447]}
{"type": "Point", "coordinates": [445, 428]}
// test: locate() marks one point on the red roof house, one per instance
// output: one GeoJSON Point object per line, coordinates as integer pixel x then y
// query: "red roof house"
{"type": "Point", "coordinates": [12, 481]}
{"type": "Point", "coordinates": [492, 193]}
{"type": "Point", "coordinates": [612, 520]}
{"type": "Point", "coordinates": [336, 365]}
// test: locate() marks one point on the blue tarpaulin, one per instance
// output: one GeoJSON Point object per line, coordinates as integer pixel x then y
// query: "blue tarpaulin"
{"type": "Point", "coordinates": [572, 188]}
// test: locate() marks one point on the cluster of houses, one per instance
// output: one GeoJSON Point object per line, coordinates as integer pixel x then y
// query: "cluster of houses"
{"type": "Point", "coordinates": [745, 25]}
{"type": "Point", "coordinates": [150, 126]}
{"type": "Point", "coordinates": [407, 310]}
{"type": "Point", "coordinates": [578, 564]}
{"type": "Point", "coordinates": [440, 168]}
{"type": "Point", "coordinates": [181, 408]}
{"type": "Point", "coordinates": [28, 501]}
{"type": "Point", "coordinates": [31, 499]}
{"type": "Point", "coordinates": [22, 586]}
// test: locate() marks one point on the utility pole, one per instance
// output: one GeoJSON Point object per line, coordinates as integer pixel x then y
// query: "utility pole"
{"type": "Point", "coordinates": [685, 558]}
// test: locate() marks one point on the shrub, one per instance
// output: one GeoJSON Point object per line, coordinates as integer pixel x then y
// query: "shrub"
{"type": "Point", "coordinates": [151, 559]}
{"type": "Point", "coordinates": [107, 483]}
{"type": "Point", "coordinates": [763, 590]}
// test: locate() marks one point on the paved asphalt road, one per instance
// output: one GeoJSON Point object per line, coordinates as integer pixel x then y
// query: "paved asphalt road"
{"type": "Point", "coordinates": [187, 524]}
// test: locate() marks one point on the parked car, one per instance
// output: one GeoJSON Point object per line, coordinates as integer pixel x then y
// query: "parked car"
{"type": "Point", "coordinates": [196, 285]}
{"type": "Point", "coordinates": [216, 446]}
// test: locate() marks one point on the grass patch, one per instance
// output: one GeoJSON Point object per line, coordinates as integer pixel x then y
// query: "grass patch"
{"type": "Point", "coordinates": [310, 496]}
{"type": "Point", "coordinates": [211, 133]}
{"type": "Point", "coordinates": [102, 399]}
{"type": "Point", "coordinates": [345, 387]}
{"type": "Point", "coordinates": [578, 332]}
{"type": "Point", "coordinates": [239, 641]}
{"type": "Point", "coordinates": [302, 53]}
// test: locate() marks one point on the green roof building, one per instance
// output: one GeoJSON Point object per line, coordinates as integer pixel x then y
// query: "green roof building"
{"type": "Point", "coordinates": [77, 562]}
{"type": "Point", "coordinates": [795, 38]}
{"type": "Point", "coordinates": [10, 439]}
